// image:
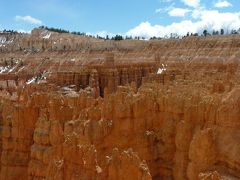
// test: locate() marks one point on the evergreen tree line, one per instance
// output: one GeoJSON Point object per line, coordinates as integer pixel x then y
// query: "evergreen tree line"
{"type": "Point", "coordinates": [172, 35]}
{"type": "Point", "coordinates": [216, 32]}
{"type": "Point", "coordinates": [9, 31]}
{"type": "Point", "coordinates": [59, 30]}
{"type": "Point", "coordinates": [120, 37]}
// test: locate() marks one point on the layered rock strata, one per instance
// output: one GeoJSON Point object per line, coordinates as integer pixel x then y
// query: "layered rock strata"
{"type": "Point", "coordinates": [166, 109]}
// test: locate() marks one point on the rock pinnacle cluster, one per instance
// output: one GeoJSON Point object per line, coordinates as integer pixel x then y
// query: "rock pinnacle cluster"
{"type": "Point", "coordinates": [80, 108]}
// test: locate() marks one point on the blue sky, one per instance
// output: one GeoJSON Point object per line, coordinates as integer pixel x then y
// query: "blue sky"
{"type": "Point", "coordinates": [128, 17]}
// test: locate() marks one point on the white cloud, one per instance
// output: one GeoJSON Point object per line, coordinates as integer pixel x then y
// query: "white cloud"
{"type": "Point", "coordinates": [102, 34]}
{"type": "Point", "coordinates": [178, 12]}
{"type": "Point", "coordinates": [160, 10]}
{"type": "Point", "coordinates": [196, 13]}
{"type": "Point", "coordinates": [105, 33]}
{"type": "Point", "coordinates": [173, 11]}
{"type": "Point", "coordinates": [147, 30]}
{"type": "Point", "coordinates": [191, 3]}
{"type": "Point", "coordinates": [206, 19]}
{"type": "Point", "coordinates": [28, 19]}
{"type": "Point", "coordinates": [222, 4]}
{"type": "Point", "coordinates": [166, 9]}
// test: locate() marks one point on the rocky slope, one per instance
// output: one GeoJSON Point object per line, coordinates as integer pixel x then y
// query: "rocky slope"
{"type": "Point", "coordinates": [93, 109]}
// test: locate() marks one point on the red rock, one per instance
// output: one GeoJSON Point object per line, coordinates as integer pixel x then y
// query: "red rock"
{"type": "Point", "coordinates": [99, 110]}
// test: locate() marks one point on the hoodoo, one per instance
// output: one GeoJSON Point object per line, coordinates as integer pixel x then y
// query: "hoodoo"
{"type": "Point", "coordinates": [74, 107]}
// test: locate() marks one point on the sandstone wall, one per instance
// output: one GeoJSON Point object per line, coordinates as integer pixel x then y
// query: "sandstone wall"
{"type": "Point", "coordinates": [169, 110]}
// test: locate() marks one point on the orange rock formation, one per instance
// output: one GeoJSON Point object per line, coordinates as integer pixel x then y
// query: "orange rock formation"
{"type": "Point", "coordinates": [80, 108]}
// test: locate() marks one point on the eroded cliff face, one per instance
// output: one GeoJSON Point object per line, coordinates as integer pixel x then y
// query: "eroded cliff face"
{"type": "Point", "coordinates": [167, 111]}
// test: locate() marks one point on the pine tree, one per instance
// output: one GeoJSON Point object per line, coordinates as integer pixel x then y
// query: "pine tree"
{"type": "Point", "coordinates": [222, 32]}
{"type": "Point", "coordinates": [205, 32]}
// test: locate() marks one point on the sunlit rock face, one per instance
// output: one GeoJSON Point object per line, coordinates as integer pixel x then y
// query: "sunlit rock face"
{"type": "Point", "coordinates": [73, 107]}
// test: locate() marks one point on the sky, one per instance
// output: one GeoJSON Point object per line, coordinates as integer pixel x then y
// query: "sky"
{"type": "Point", "coordinates": [145, 18]}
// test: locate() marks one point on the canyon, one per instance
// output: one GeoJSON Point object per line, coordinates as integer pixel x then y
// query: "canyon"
{"type": "Point", "coordinates": [74, 107]}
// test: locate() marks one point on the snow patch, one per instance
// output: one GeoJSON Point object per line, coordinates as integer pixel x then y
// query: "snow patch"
{"type": "Point", "coordinates": [66, 89]}
{"type": "Point", "coordinates": [162, 69]}
{"type": "Point", "coordinates": [38, 78]}
{"type": "Point", "coordinates": [4, 69]}
{"type": "Point", "coordinates": [47, 36]}
{"type": "Point", "coordinates": [12, 69]}
{"type": "Point", "coordinates": [159, 71]}
{"type": "Point", "coordinates": [10, 41]}
{"type": "Point", "coordinates": [44, 75]}
{"type": "Point", "coordinates": [30, 81]}
{"type": "Point", "coordinates": [3, 39]}
{"type": "Point", "coordinates": [70, 88]}
{"type": "Point", "coordinates": [8, 69]}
